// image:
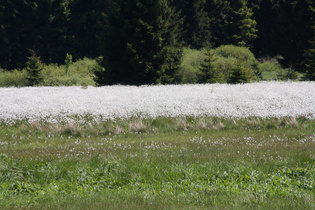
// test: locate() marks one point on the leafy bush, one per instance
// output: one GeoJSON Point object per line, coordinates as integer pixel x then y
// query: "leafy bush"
{"type": "Point", "coordinates": [224, 63]}
{"type": "Point", "coordinates": [190, 66]}
{"type": "Point", "coordinates": [231, 59]}
{"type": "Point", "coordinates": [242, 54]}
{"type": "Point", "coordinates": [271, 70]}
{"type": "Point", "coordinates": [15, 78]}
{"type": "Point", "coordinates": [78, 73]}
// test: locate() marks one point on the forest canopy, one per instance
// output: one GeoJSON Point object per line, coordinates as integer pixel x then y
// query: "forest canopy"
{"type": "Point", "coordinates": [142, 41]}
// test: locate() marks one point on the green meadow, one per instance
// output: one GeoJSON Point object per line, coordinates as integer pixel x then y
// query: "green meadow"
{"type": "Point", "coordinates": [162, 163]}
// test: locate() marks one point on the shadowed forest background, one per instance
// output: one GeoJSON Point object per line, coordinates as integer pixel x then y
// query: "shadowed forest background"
{"type": "Point", "coordinates": [101, 42]}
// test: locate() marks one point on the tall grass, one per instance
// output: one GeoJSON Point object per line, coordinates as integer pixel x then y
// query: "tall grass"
{"type": "Point", "coordinates": [159, 163]}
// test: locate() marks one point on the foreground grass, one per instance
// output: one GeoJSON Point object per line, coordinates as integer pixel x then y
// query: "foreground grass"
{"type": "Point", "coordinates": [170, 163]}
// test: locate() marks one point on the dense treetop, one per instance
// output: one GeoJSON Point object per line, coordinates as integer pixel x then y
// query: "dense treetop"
{"type": "Point", "coordinates": [141, 41]}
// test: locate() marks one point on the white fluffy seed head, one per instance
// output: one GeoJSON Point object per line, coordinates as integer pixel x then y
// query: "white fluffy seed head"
{"type": "Point", "coordinates": [264, 99]}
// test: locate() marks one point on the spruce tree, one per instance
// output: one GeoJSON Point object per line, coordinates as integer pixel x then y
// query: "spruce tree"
{"type": "Point", "coordinates": [141, 42]}
{"type": "Point", "coordinates": [33, 24]}
{"type": "Point", "coordinates": [243, 26]}
{"type": "Point", "coordinates": [34, 68]}
{"type": "Point", "coordinates": [220, 15]}
{"type": "Point", "coordinates": [209, 72]}
{"type": "Point", "coordinates": [295, 31]}
{"type": "Point", "coordinates": [198, 33]}
{"type": "Point", "coordinates": [309, 59]}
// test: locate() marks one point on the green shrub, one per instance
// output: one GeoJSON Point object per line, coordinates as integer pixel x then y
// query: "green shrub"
{"type": "Point", "coordinates": [225, 61]}
{"type": "Point", "coordinates": [233, 65]}
{"type": "Point", "coordinates": [190, 66]}
{"type": "Point", "coordinates": [15, 78]}
{"type": "Point", "coordinates": [271, 70]}
{"type": "Point", "coordinates": [80, 72]}
{"type": "Point", "coordinates": [233, 57]}
{"type": "Point", "coordinates": [242, 54]}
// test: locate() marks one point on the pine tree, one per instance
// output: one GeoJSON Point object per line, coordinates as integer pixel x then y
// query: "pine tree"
{"type": "Point", "coordinates": [295, 32]}
{"type": "Point", "coordinates": [141, 43]}
{"type": "Point", "coordinates": [309, 59]}
{"type": "Point", "coordinates": [243, 26]}
{"type": "Point", "coordinates": [33, 24]}
{"type": "Point", "coordinates": [209, 72]}
{"type": "Point", "coordinates": [240, 74]}
{"type": "Point", "coordinates": [220, 15]}
{"type": "Point", "coordinates": [34, 68]}
{"type": "Point", "coordinates": [197, 23]}
{"type": "Point", "coordinates": [200, 35]}
{"type": "Point", "coordinates": [85, 25]}
{"type": "Point", "coordinates": [265, 44]}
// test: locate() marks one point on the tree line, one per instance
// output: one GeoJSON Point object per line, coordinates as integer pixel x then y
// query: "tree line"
{"type": "Point", "coordinates": [141, 41]}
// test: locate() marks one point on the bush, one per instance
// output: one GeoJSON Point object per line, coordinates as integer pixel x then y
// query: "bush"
{"type": "Point", "coordinates": [271, 70]}
{"type": "Point", "coordinates": [288, 74]}
{"type": "Point", "coordinates": [224, 63]}
{"type": "Point", "coordinates": [230, 64]}
{"type": "Point", "coordinates": [80, 72]}
{"type": "Point", "coordinates": [15, 78]}
{"type": "Point", "coordinates": [231, 59]}
{"type": "Point", "coordinates": [242, 54]}
{"type": "Point", "coordinates": [190, 66]}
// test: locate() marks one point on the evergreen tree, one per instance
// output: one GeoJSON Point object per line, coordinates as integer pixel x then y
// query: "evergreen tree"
{"type": "Point", "coordinates": [309, 59]}
{"type": "Point", "coordinates": [220, 14]}
{"type": "Point", "coordinates": [85, 25]}
{"type": "Point", "coordinates": [240, 74]}
{"type": "Point", "coordinates": [209, 72]}
{"type": "Point", "coordinates": [197, 32]}
{"type": "Point", "coordinates": [34, 68]}
{"type": "Point", "coordinates": [265, 44]}
{"type": "Point", "coordinates": [141, 43]}
{"type": "Point", "coordinates": [294, 31]}
{"type": "Point", "coordinates": [33, 24]}
{"type": "Point", "coordinates": [199, 26]}
{"type": "Point", "coordinates": [243, 26]}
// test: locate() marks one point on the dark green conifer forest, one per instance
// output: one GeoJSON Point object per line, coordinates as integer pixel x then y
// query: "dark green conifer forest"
{"type": "Point", "coordinates": [142, 41]}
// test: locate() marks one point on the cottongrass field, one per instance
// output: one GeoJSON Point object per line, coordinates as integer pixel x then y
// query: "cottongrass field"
{"type": "Point", "coordinates": [218, 146]}
{"type": "Point", "coordinates": [266, 99]}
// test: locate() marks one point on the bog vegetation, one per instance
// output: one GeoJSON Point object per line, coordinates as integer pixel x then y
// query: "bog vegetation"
{"type": "Point", "coordinates": [59, 149]}
{"type": "Point", "coordinates": [181, 146]}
